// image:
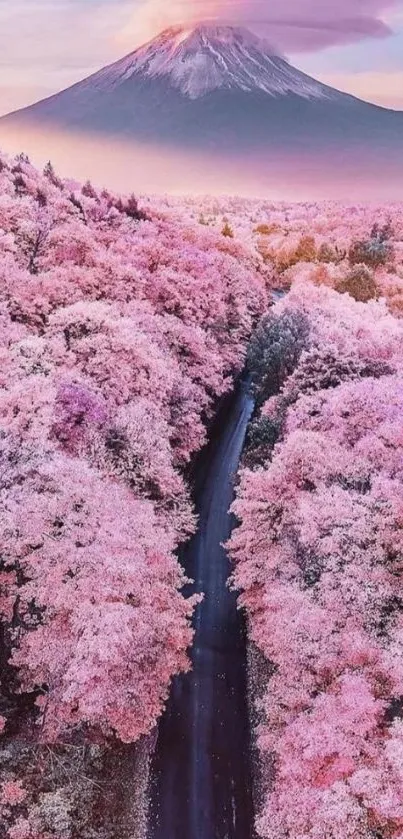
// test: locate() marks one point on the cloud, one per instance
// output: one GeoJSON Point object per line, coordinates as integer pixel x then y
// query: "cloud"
{"type": "Point", "coordinates": [293, 25]}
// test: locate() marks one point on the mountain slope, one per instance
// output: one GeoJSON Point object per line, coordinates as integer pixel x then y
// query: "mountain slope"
{"type": "Point", "coordinates": [208, 58]}
{"type": "Point", "coordinates": [216, 87]}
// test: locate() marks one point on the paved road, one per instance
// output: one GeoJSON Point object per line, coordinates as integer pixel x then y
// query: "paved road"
{"type": "Point", "coordinates": [201, 774]}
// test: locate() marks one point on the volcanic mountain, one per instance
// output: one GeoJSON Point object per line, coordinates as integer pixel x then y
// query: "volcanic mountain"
{"type": "Point", "coordinates": [216, 87]}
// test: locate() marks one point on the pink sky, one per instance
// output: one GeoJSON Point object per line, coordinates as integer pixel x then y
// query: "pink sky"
{"type": "Point", "coordinates": [46, 45]}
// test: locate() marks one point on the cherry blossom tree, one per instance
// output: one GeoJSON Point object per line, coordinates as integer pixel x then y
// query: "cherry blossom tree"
{"type": "Point", "coordinates": [318, 561]}
{"type": "Point", "coordinates": [121, 328]}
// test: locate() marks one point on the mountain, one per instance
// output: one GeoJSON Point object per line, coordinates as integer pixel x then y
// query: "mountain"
{"type": "Point", "coordinates": [208, 58]}
{"type": "Point", "coordinates": [218, 88]}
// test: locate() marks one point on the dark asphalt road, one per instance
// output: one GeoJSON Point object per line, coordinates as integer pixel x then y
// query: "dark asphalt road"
{"type": "Point", "coordinates": [201, 787]}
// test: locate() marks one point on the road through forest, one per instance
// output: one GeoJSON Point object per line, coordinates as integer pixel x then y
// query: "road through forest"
{"type": "Point", "coordinates": [201, 778]}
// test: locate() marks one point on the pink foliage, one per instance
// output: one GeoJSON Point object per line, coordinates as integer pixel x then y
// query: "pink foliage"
{"type": "Point", "coordinates": [120, 330]}
{"type": "Point", "coordinates": [26, 829]}
{"type": "Point", "coordinates": [12, 793]}
{"type": "Point", "coordinates": [107, 624]}
{"type": "Point", "coordinates": [318, 559]}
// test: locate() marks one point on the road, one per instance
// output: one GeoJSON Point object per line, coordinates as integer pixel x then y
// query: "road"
{"type": "Point", "coordinates": [201, 787]}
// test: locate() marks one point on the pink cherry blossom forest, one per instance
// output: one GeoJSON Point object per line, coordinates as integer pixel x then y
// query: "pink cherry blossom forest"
{"type": "Point", "coordinates": [124, 322]}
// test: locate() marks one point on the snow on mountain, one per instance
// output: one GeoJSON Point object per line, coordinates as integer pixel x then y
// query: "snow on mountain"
{"type": "Point", "coordinates": [210, 57]}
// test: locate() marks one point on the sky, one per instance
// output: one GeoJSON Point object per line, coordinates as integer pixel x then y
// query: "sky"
{"type": "Point", "coordinates": [46, 45]}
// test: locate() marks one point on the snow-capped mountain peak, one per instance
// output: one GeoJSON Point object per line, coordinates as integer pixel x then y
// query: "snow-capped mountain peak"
{"type": "Point", "coordinates": [210, 57]}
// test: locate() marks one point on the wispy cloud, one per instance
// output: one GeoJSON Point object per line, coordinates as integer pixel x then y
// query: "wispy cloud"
{"type": "Point", "coordinates": [294, 25]}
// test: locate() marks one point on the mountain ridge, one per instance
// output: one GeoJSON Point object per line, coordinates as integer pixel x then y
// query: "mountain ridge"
{"type": "Point", "coordinates": [208, 57]}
